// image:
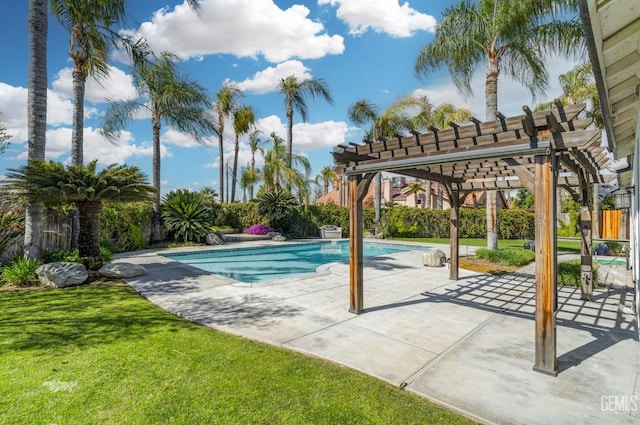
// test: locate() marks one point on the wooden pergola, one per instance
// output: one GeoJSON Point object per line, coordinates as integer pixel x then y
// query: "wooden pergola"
{"type": "Point", "coordinates": [539, 151]}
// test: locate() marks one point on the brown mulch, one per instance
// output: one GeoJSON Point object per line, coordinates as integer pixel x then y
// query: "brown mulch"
{"type": "Point", "coordinates": [482, 265]}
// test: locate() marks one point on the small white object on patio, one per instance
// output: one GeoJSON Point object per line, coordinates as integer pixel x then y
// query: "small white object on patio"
{"type": "Point", "coordinates": [329, 231]}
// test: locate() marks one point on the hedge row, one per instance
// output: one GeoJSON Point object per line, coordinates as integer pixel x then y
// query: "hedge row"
{"type": "Point", "coordinates": [127, 227]}
{"type": "Point", "coordinates": [395, 221]}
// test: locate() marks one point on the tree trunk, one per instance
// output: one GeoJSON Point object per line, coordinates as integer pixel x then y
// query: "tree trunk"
{"type": "Point", "coordinates": [234, 177]}
{"type": "Point", "coordinates": [326, 187]}
{"type": "Point", "coordinates": [157, 235]}
{"type": "Point", "coordinates": [89, 240]}
{"type": "Point", "coordinates": [491, 93]}
{"type": "Point", "coordinates": [77, 133]}
{"type": "Point", "coordinates": [289, 138]}
{"type": "Point", "coordinates": [427, 201]}
{"type": "Point", "coordinates": [36, 116]}
{"type": "Point", "coordinates": [221, 153]}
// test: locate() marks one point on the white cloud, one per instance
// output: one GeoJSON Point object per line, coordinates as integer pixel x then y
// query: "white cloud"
{"type": "Point", "coordinates": [117, 85]}
{"type": "Point", "coordinates": [13, 105]}
{"type": "Point", "coordinates": [384, 16]}
{"type": "Point", "coordinates": [268, 79]}
{"type": "Point", "coordinates": [306, 136]}
{"type": "Point", "coordinates": [174, 137]}
{"type": "Point", "coordinates": [245, 28]}
{"type": "Point", "coordinates": [440, 96]}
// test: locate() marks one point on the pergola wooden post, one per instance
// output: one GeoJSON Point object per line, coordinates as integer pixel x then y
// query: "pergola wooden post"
{"type": "Point", "coordinates": [586, 261]}
{"type": "Point", "coordinates": [454, 238]}
{"type": "Point", "coordinates": [545, 214]}
{"type": "Point", "coordinates": [358, 187]}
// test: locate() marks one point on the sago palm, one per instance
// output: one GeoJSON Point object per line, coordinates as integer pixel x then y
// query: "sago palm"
{"type": "Point", "coordinates": [84, 187]}
{"type": "Point", "coordinates": [186, 215]}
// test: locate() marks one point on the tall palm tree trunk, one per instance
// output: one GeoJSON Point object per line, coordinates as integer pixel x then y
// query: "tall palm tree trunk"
{"type": "Point", "coordinates": [77, 140]}
{"type": "Point", "coordinates": [157, 235]}
{"type": "Point", "coordinates": [491, 93]}
{"type": "Point", "coordinates": [234, 177]}
{"type": "Point", "coordinates": [89, 243]}
{"type": "Point", "coordinates": [77, 132]}
{"type": "Point", "coordinates": [289, 138]}
{"type": "Point", "coordinates": [221, 173]}
{"type": "Point", "coordinates": [36, 116]}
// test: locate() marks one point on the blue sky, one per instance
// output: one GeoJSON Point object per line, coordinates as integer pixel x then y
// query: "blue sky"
{"type": "Point", "coordinates": [361, 49]}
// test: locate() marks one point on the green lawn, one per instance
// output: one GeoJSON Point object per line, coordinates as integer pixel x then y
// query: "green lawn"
{"type": "Point", "coordinates": [101, 354]}
{"type": "Point", "coordinates": [563, 245]}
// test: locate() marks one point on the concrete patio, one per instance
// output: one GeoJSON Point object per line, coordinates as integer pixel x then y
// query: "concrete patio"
{"type": "Point", "coordinates": [466, 344]}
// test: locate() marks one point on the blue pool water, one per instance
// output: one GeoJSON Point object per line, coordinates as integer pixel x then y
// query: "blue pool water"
{"type": "Point", "coordinates": [263, 264]}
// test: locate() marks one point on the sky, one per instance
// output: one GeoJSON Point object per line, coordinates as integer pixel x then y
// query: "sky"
{"type": "Point", "coordinates": [362, 49]}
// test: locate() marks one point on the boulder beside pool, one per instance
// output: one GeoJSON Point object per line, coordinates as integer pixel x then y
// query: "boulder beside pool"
{"type": "Point", "coordinates": [435, 258]}
{"type": "Point", "coordinates": [122, 270]}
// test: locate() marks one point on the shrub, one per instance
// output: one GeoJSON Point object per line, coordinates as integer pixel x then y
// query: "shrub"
{"type": "Point", "coordinates": [569, 273]}
{"type": "Point", "coordinates": [186, 215]}
{"type": "Point", "coordinates": [65, 255]}
{"type": "Point", "coordinates": [257, 229]}
{"type": "Point", "coordinates": [11, 228]}
{"type": "Point", "coordinates": [507, 256]}
{"type": "Point", "coordinates": [276, 207]}
{"type": "Point", "coordinates": [126, 227]}
{"type": "Point", "coordinates": [20, 272]}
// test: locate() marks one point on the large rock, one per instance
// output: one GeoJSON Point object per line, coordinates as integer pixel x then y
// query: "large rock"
{"type": "Point", "coordinates": [62, 275]}
{"type": "Point", "coordinates": [435, 258]}
{"type": "Point", "coordinates": [214, 239]}
{"type": "Point", "coordinates": [531, 246]}
{"type": "Point", "coordinates": [279, 238]}
{"type": "Point", "coordinates": [122, 270]}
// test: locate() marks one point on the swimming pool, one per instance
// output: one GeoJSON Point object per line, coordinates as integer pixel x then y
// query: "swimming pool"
{"type": "Point", "coordinates": [263, 264]}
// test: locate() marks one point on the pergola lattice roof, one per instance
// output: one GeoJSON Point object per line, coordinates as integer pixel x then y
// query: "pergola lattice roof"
{"type": "Point", "coordinates": [489, 155]}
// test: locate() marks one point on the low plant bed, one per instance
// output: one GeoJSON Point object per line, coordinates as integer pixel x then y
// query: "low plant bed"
{"type": "Point", "coordinates": [497, 262]}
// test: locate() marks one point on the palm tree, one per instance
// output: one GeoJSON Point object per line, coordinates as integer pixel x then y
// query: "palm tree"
{"type": "Point", "coordinates": [512, 36]}
{"type": "Point", "coordinates": [225, 105]}
{"type": "Point", "coordinates": [88, 23]}
{"type": "Point", "coordinates": [393, 121]}
{"type": "Point", "coordinates": [415, 189]}
{"type": "Point", "coordinates": [4, 136]}
{"type": "Point", "coordinates": [255, 144]}
{"type": "Point", "coordinates": [445, 114]}
{"type": "Point", "coordinates": [578, 86]}
{"type": "Point", "coordinates": [277, 170]}
{"type": "Point", "coordinates": [243, 120]}
{"type": "Point", "coordinates": [248, 179]}
{"type": "Point", "coordinates": [84, 187]}
{"type": "Point", "coordinates": [36, 117]}
{"type": "Point", "coordinates": [170, 98]}
{"type": "Point", "coordinates": [327, 175]}
{"type": "Point", "coordinates": [295, 92]}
